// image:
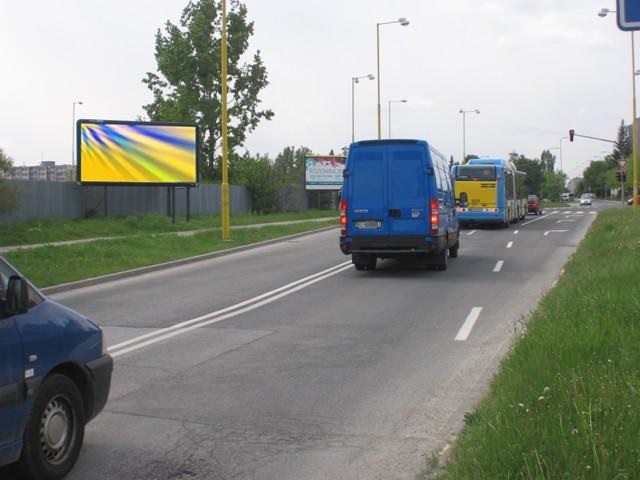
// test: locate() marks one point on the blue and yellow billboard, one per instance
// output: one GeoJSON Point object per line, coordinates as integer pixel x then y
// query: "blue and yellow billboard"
{"type": "Point", "coordinates": [113, 152]}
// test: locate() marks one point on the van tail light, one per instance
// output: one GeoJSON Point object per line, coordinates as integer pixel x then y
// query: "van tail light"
{"type": "Point", "coordinates": [343, 217]}
{"type": "Point", "coordinates": [435, 219]}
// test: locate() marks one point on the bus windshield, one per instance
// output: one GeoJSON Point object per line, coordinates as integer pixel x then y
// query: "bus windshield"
{"type": "Point", "coordinates": [476, 172]}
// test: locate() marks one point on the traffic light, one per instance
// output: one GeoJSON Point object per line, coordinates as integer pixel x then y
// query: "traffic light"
{"type": "Point", "coordinates": [572, 132]}
{"type": "Point", "coordinates": [624, 175]}
{"type": "Point", "coordinates": [619, 175]}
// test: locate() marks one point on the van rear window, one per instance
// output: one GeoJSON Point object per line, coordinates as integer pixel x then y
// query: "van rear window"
{"type": "Point", "coordinates": [476, 172]}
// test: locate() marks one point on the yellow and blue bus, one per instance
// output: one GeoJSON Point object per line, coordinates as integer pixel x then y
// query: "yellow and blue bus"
{"type": "Point", "coordinates": [494, 190]}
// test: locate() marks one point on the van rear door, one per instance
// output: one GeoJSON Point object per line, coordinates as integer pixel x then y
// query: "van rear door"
{"type": "Point", "coordinates": [387, 190]}
{"type": "Point", "coordinates": [407, 198]}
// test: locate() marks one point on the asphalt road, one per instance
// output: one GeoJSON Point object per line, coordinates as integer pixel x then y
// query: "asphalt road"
{"type": "Point", "coordinates": [285, 363]}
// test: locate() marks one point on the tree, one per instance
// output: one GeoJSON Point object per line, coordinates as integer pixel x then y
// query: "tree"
{"type": "Point", "coordinates": [533, 169]}
{"type": "Point", "coordinates": [288, 174]}
{"type": "Point", "coordinates": [548, 161]}
{"type": "Point", "coordinates": [470, 157]}
{"type": "Point", "coordinates": [8, 193]}
{"type": "Point", "coordinates": [595, 177]}
{"type": "Point", "coordinates": [187, 86]}
{"type": "Point", "coordinates": [622, 148]}
{"type": "Point", "coordinates": [553, 185]}
{"type": "Point", "coordinates": [256, 173]}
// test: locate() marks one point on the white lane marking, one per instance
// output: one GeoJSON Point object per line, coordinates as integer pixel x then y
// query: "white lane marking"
{"type": "Point", "coordinates": [204, 319]}
{"type": "Point", "coordinates": [554, 231]}
{"type": "Point", "coordinates": [468, 324]}
{"type": "Point", "coordinates": [560, 221]}
{"type": "Point", "coordinates": [534, 220]}
{"type": "Point", "coordinates": [592, 213]}
{"type": "Point", "coordinates": [498, 266]}
{"type": "Point", "coordinates": [510, 244]}
{"type": "Point", "coordinates": [516, 232]}
{"type": "Point", "coordinates": [471, 232]}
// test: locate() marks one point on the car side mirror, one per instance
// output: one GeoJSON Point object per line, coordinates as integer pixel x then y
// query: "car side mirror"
{"type": "Point", "coordinates": [17, 296]}
{"type": "Point", "coordinates": [464, 200]}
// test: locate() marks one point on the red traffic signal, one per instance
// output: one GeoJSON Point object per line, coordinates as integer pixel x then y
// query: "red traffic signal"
{"type": "Point", "coordinates": [572, 132]}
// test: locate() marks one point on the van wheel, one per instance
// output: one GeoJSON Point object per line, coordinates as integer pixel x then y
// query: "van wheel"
{"type": "Point", "coordinates": [442, 260]}
{"type": "Point", "coordinates": [453, 251]}
{"type": "Point", "coordinates": [363, 261]}
{"type": "Point", "coordinates": [54, 431]}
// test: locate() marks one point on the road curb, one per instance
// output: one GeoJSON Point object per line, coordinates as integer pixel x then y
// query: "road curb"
{"type": "Point", "coordinates": [88, 282]}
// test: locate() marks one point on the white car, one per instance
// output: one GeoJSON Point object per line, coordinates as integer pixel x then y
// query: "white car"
{"type": "Point", "coordinates": [585, 199]}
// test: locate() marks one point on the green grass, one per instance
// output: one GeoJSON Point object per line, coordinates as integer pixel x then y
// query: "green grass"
{"type": "Point", "coordinates": [565, 403]}
{"type": "Point", "coordinates": [55, 230]}
{"type": "Point", "coordinates": [53, 265]}
{"type": "Point", "coordinates": [555, 204]}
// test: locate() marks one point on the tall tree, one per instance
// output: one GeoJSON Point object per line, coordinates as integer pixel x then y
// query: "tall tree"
{"type": "Point", "coordinates": [288, 174]}
{"type": "Point", "coordinates": [8, 193]}
{"type": "Point", "coordinates": [622, 148]}
{"type": "Point", "coordinates": [187, 85]}
{"type": "Point", "coordinates": [548, 161]}
{"type": "Point", "coordinates": [256, 173]}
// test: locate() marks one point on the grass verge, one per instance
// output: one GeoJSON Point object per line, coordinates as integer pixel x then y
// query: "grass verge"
{"type": "Point", "coordinates": [565, 403]}
{"type": "Point", "coordinates": [53, 265]}
{"type": "Point", "coordinates": [56, 230]}
{"type": "Point", "coordinates": [555, 205]}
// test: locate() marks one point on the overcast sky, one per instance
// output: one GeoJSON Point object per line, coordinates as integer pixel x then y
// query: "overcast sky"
{"type": "Point", "coordinates": [534, 68]}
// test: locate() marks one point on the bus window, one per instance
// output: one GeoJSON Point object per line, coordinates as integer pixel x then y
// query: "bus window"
{"type": "Point", "coordinates": [476, 172]}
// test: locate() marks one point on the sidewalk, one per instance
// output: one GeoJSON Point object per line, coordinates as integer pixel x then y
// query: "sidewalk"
{"type": "Point", "coordinates": [187, 233]}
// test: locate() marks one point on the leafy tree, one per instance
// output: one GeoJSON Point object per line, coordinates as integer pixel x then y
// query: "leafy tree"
{"type": "Point", "coordinates": [533, 169]}
{"type": "Point", "coordinates": [553, 185]}
{"type": "Point", "coordinates": [187, 85]}
{"type": "Point", "coordinates": [548, 161]}
{"type": "Point", "coordinates": [595, 177]}
{"type": "Point", "coordinates": [470, 157]}
{"type": "Point", "coordinates": [288, 174]}
{"type": "Point", "coordinates": [8, 193]}
{"type": "Point", "coordinates": [256, 173]}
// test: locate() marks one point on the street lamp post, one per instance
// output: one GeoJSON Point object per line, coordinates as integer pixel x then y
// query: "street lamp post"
{"type": "Point", "coordinates": [73, 133]}
{"type": "Point", "coordinates": [603, 13]}
{"type": "Point", "coordinates": [404, 22]}
{"type": "Point", "coordinates": [355, 80]}
{"type": "Point", "coordinates": [464, 130]}
{"type": "Point", "coordinates": [390, 102]}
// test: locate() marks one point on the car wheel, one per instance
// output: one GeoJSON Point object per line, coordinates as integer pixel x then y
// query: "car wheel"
{"type": "Point", "coordinates": [54, 431]}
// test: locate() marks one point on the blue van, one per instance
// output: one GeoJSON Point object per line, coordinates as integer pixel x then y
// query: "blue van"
{"type": "Point", "coordinates": [55, 376]}
{"type": "Point", "coordinates": [397, 200]}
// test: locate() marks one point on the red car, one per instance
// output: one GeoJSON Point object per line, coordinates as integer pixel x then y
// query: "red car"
{"type": "Point", "coordinates": [534, 205]}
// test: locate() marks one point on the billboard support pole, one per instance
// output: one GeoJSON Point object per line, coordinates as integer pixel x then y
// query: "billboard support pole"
{"type": "Point", "coordinates": [173, 204]}
{"type": "Point", "coordinates": [188, 204]}
{"type": "Point", "coordinates": [225, 171]}
{"type": "Point", "coordinates": [105, 201]}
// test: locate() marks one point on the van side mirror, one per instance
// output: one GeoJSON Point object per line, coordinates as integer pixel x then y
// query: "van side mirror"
{"type": "Point", "coordinates": [17, 296]}
{"type": "Point", "coordinates": [464, 200]}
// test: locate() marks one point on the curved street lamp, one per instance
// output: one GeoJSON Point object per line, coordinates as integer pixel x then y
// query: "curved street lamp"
{"type": "Point", "coordinates": [464, 130]}
{"type": "Point", "coordinates": [355, 80]}
{"type": "Point", "coordinates": [404, 22]}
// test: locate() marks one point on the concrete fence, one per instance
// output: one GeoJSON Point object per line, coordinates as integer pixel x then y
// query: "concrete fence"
{"type": "Point", "coordinates": [68, 200]}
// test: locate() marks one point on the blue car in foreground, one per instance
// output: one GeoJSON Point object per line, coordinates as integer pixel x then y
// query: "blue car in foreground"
{"type": "Point", "coordinates": [55, 376]}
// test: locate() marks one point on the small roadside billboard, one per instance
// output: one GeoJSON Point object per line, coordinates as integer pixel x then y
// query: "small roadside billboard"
{"type": "Point", "coordinates": [324, 172]}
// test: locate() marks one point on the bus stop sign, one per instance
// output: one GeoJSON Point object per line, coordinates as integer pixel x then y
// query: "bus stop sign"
{"type": "Point", "coordinates": [628, 15]}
